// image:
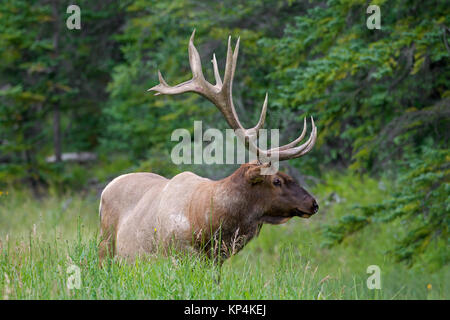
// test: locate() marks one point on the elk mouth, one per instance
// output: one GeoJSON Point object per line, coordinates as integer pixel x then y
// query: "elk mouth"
{"type": "Point", "coordinates": [299, 213]}
{"type": "Point", "coordinates": [274, 219]}
{"type": "Point", "coordinates": [283, 219]}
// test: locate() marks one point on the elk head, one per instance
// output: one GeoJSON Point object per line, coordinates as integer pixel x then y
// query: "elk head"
{"type": "Point", "coordinates": [278, 195]}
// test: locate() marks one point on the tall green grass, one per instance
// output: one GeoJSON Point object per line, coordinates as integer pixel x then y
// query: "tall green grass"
{"type": "Point", "coordinates": [41, 239]}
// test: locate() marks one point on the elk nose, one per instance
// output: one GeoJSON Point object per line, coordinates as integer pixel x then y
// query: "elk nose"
{"type": "Point", "coordinates": [314, 207]}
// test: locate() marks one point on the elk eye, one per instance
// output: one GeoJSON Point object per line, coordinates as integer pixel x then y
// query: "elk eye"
{"type": "Point", "coordinates": [277, 182]}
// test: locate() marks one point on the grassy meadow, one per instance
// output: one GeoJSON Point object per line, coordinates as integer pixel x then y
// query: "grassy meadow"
{"type": "Point", "coordinates": [75, 112]}
{"type": "Point", "coordinates": [40, 239]}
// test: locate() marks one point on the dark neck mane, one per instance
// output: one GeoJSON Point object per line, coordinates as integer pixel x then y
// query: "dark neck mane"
{"type": "Point", "coordinates": [234, 213]}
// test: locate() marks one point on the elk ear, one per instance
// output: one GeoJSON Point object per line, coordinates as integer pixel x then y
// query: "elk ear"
{"type": "Point", "coordinates": [253, 175]}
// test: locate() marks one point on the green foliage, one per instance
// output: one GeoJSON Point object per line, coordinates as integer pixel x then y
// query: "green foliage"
{"type": "Point", "coordinates": [377, 96]}
{"type": "Point", "coordinates": [52, 83]}
{"type": "Point", "coordinates": [155, 37]}
{"type": "Point", "coordinates": [44, 237]}
{"type": "Point", "coordinates": [420, 205]}
{"type": "Point", "coordinates": [359, 82]}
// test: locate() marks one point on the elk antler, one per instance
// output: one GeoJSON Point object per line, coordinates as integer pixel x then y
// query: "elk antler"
{"type": "Point", "coordinates": [221, 96]}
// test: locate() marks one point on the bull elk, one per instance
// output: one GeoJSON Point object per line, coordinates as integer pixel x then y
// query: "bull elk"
{"type": "Point", "coordinates": [141, 212]}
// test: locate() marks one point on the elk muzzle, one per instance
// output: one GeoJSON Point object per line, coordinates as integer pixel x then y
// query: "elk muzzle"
{"type": "Point", "coordinates": [307, 209]}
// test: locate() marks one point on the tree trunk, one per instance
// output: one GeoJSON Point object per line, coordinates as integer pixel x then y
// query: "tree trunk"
{"type": "Point", "coordinates": [57, 133]}
{"type": "Point", "coordinates": [56, 111]}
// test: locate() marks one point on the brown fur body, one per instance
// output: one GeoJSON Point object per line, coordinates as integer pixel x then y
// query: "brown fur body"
{"type": "Point", "coordinates": [142, 213]}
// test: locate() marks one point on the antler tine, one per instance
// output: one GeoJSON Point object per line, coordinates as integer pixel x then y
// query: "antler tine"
{"type": "Point", "coordinates": [228, 67]}
{"type": "Point", "coordinates": [285, 153]}
{"type": "Point", "coordinates": [296, 152]}
{"type": "Point", "coordinates": [221, 96]}
{"type": "Point", "coordinates": [296, 141]}
{"type": "Point", "coordinates": [262, 117]}
{"type": "Point", "coordinates": [226, 104]}
{"type": "Point", "coordinates": [197, 84]}
{"type": "Point", "coordinates": [311, 145]}
{"type": "Point", "coordinates": [216, 73]}
{"type": "Point", "coordinates": [194, 59]}
{"type": "Point", "coordinates": [235, 56]}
